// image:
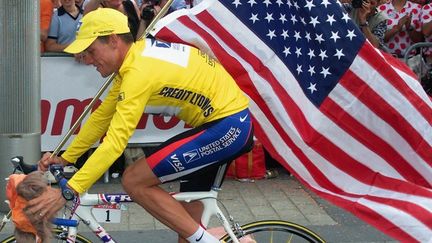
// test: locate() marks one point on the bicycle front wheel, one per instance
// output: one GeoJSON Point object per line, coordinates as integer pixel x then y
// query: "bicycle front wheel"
{"type": "Point", "coordinates": [274, 231]}
{"type": "Point", "coordinates": [58, 236]}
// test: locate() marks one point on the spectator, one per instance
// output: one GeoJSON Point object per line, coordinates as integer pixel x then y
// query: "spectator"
{"type": "Point", "coordinates": [127, 7]}
{"type": "Point", "coordinates": [421, 2]}
{"type": "Point", "coordinates": [150, 8]}
{"type": "Point", "coordinates": [46, 11]}
{"type": "Point", "coordinates": [426, 20]}
{"type": "Point", "coordinates": [404, 25]}
{"type": "Point", "coordinates": [63, 26]}
{"type": "Point", "coordinates": [56, 4]}
{"type": "Point", "coordinates": [371, 22]}
{"type": "Point", "coordinates": [81, 3]}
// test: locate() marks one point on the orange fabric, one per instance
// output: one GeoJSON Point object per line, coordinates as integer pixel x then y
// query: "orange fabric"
{"type": "Point", "coordinates": [17, 204]}
{"type": "Point", "coordinates": [46, 11]}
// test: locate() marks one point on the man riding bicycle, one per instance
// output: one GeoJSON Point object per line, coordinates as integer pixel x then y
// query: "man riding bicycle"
{"type": "Point", "coordinates": [159, 78]}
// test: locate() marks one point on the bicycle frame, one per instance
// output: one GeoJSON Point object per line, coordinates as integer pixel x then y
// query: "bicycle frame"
{"type": "Point", "coordinates": [81, 211]}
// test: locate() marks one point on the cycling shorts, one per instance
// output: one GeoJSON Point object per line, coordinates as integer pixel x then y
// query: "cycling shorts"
{"type": "Point", "coordinates": [195, 155]}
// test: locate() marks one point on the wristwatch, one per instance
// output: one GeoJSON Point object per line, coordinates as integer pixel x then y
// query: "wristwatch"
{"type": "Point", "coordinates": [68, 193]}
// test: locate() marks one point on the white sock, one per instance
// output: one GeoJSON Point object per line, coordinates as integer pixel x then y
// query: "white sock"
{"type": "Point", "coordinates": [202, 236]}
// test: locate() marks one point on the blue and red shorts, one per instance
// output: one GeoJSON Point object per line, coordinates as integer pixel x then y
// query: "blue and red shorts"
{"type": "Point", "coordinates": [195, 155]}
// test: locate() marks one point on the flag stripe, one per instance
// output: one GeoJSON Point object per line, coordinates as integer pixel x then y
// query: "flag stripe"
{"type": "Point", "coordinates": [376, 218]}
{"type": "Point", "coordinates": [388, 113]}
{"type": "Point", "coordinates": [367, 52]}
{"type": "Point", "coordinates": [352, 126]}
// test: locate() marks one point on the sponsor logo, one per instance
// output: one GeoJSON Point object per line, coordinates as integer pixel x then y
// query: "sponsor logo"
{"type": "Point", "coordinates": [198, 239]}
{"type": "Point", "coordinates": [242, 119]}
{"type": "Point", "coordinates": [117, 198]}
{"type": "Point", "coordinates": [191, 156]}
{"type": "Point", "coordinates": [176, 163]}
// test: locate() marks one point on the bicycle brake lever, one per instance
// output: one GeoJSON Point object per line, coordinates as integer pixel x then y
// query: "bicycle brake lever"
{"type": "Point", "coordinates": [19, 164]}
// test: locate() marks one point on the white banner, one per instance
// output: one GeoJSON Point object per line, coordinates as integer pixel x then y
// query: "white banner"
{"type": "Point", "coordinates": [67, 87]}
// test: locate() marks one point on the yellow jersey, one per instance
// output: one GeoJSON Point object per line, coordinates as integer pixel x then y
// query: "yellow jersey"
{"type": "Point", "coordinates": [158, 78]}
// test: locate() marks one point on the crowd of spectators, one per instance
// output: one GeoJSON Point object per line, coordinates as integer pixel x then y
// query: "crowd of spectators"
{"type": "Point", "coordinates": [59, 18]}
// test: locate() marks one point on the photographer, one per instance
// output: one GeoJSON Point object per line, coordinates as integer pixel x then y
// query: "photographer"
{"type": "Point", "coordinates": [150, 8]}
{"type": "Point", "coordinates": [371, 22]}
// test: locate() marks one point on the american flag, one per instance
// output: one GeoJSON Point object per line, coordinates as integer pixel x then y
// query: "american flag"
{"type": "Point", "coordinates": [352, 123]}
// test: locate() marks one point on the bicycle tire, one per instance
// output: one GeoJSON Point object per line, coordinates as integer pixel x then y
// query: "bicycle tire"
{"type": "Point", "coordinates": [275, 231]}
{"type": "Point", "coordinates": [56, 238]}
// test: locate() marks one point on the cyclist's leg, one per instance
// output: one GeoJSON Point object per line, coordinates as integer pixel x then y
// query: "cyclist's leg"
{"type": "Point", "coordinates": [187, 153]}
{"type": "Point", "coordinates": [142, 185]}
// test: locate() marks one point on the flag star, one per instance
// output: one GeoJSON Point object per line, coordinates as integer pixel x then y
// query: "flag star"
{"type": "Point", "coordinates": [339, 53]}
{"type": "Point", "coordinates": [299, 69]}
{"type": "Point", "coordinates": [296, 6]}
{"type": "Point", "coordinates": [267, 2]}
{"type": "Point", "coordinates": [346, 17]}
{"type": "Point", "coordinates": [302, 20]}
{"type": "Point", "coordinates": [325, 3]}
{"type": "Point", "coordinates": [279, 2]}
{"type": "Point", "coordinates": [311, 70]}
{"type": "Point", "coordinates": [293, 19]}
{"type": "Point", "coordinates": [297, 35]}
{"type": "Point", "coordinates": [252, 2]}
{"type": "Point", "coordinates": [311, 53]}
{"type": "Point", "coordinates": [236, 2]}
{"type": "Point", "coordinates": [309, 5]}
{"type": "Point", "coordinates": [282, 18]}
{"type": "Point", "coordinates": [269, 17]}
{"type": "Point", "coordinates": [287, 51]}
{"type": "Point", "coordinates": [298, 51]}
{"type": "Point", "coordinates": [335, 36]}
{"type": "Point", "coordinates": [325, 72]}
{"type": "Point", "coordinates": [271, 34]}
{"type": "Point", "coordinates": [307, 36]}
{"type": "Point", "coordinates": [319, 38]}
{"type": "Point", "coordinates": [323, 54]}
{"type": "Point", "coordinates": [254, 18]}
{"type": "Point", "coordinates": [314, 21]}
{"type": "Point", "coordinates": [289, 4]}
{"type": "Point", "coordinates": [312, 88]}
{"type": "Point", "coordinates": [351, 34]}
{"type": "Point", "coordinates": [285, 34]}
{"type": "Point", "coordinates": [330, 19]}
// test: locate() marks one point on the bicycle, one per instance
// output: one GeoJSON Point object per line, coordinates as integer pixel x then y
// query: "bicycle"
{"type": "Point", "coordinates": [66, 228]}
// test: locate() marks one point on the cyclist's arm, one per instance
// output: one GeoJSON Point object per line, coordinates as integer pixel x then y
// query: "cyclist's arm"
{"type": "Point", "coordinates": [128, 113]}
{"type": "Point", "coordinates": [94, 128]}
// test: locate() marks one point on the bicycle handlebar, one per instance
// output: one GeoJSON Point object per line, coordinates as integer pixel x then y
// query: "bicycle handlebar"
{"type": "Point", "coordinates": [55, 169]}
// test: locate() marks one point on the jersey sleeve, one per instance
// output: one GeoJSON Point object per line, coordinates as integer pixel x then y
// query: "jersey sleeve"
{"type": "Point", "coordinates": [131, 100]}
{"type": "Point", "coordinates": [94, 128]}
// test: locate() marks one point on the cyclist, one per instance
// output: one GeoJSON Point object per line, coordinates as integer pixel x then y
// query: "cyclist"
{"type": "Point", "coordinates": [163, 78]}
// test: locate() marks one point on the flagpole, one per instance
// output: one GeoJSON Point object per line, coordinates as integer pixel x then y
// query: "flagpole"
{"type": "Point", "coordinates": [105, 86]}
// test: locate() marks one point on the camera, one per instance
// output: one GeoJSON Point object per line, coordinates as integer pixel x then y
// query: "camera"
{"type": "Point", "coordinates": [357, 3]}
{"type": "Point", "coordinates": [148, 12]}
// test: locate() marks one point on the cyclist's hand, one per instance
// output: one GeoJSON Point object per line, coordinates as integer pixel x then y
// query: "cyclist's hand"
{"type": "Point", "coordinates": [47, 204]}
{"type": "Point", "coordinates": [46, 161]}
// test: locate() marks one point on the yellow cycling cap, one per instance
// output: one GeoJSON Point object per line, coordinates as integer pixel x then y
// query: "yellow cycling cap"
{"type": "Point", "coordinates": [100, 22]}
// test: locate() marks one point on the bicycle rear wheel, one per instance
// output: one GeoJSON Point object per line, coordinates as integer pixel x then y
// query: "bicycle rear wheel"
{"type": "Point", "coordinates": [58, 236]}
{"type": "Point", "coordinates": [275, 231]}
